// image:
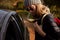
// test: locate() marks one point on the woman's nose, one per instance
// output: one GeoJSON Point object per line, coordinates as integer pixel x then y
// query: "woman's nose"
{"type": "Point", "coordinates": [32, 8]}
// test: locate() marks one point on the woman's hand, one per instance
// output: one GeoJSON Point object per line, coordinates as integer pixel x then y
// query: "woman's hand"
{"type": "Point", "coordinates": [39, 29]}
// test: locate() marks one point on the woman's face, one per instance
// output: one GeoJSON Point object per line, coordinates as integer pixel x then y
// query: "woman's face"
{"type": "Point", "coordinates": [33, 10]}
{"type": "Point", "coordinates": [38, 10]}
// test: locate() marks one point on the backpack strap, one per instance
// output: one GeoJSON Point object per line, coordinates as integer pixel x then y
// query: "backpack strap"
{"type": "Point", "coordinates": [43, 18]}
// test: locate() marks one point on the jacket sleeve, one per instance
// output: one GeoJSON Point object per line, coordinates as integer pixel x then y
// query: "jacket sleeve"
{"type": "Point", "coordinates": [50, 26]}
{"type": "Point", "coordinates": [49, 19]}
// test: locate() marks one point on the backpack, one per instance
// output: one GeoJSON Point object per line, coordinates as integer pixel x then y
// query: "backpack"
{"type": "Point", "coordinates": [57, 20]}
{"type": "Point", "coordinates": [11, 26]}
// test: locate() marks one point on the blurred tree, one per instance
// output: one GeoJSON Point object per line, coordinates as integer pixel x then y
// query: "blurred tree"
{"type": "Point", "coordinates": [52, 2]}
{"type": "Point", "coordinates": [54, 6]}
{"type": "Point", "coordinates": [19, 5]}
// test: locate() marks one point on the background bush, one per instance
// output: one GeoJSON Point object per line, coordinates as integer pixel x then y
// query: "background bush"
{"type": "Point", "coordinates": [54, 6]}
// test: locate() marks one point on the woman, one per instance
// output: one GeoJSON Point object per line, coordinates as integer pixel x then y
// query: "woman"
{"type": "Point", "coordinates": [49, 29]}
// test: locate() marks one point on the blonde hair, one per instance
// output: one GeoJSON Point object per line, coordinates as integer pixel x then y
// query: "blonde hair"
{"type": "Point", "coordinates": [42, 9]}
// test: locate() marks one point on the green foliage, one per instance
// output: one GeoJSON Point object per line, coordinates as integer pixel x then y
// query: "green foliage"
{"type": "Point", "coordinates": [20, 5]}
{"type": "Point", "coordinates": [23, 13]}
{"type": "Point", "coordinates": [54, 6]}
{"type": "Point", "coordinates": [6, 6]}
{"type": "Point", "coordinates": [55, 10]}
{"type": "Point", "coordinates": [52, 2]}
